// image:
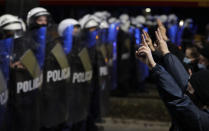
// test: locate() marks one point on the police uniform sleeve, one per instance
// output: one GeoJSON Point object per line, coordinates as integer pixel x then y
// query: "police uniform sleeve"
{"type": "Point", "coordinates": [180, 106]}
{"type": "Point", "coordinates": [177, 70]}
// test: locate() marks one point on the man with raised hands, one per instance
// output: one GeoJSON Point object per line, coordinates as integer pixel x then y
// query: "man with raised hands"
{"type": "Point", "coordinates": [174, 92]}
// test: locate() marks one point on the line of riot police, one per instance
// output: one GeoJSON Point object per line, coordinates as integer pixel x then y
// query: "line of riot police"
{"type": "Point", "coordinates": [52, 77]}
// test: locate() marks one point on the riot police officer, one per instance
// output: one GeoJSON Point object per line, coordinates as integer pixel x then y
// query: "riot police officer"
{"type": "Point", "coordinates": [81, 74]}
{"type": "Point", "coordinates": [100, 98]}
{"type": "Point", "coordinates": [56, 76]}
{"type": "Point", "coordinates": [112, 50]}
{"type": "Point", "coordinates": [125, 56]}
{"type": "Point", "coordinates": [90, 32]}
{"type": "Point", "coordinates": [26, 73]}
{"type": "Point", "coordinates": [9, 25]}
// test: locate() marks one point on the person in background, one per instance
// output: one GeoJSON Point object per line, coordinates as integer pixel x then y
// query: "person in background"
{"type": "Point", "coordinates": [191, 59]}
{"type": "Point", "coordinates": [203, 62]}
{"type": "Point", "coordinates": [188, 33]}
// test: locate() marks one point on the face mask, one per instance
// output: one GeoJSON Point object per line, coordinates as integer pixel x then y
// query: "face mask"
{"type": "Point", "coordinates": [186, 60]}
{"type": "Point", "coordinates": [68, 39]}
{"type": "Point", "coordinates": [5, 53]}
{"type": "Point", "coordinates": [112, 32]}
{"type": "Point", "coordinates": [40, 37]}
{"type": "Point", "coordinates": [92, 38]}
{"type": "Point", "coordinates": [201, 66]}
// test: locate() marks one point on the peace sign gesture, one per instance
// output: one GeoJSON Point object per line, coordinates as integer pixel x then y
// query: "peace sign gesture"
{"type": "Point", "coordinates": [144, 54]}
{"type": "Point", "coordinates": [148, 40]}
{"type": "Point", "coordinates": [162, 29]}
{"type": "Point", "coordinates": [162, 45]}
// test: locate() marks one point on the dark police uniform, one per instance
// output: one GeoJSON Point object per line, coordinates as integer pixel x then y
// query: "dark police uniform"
{"type": "Point", "coordinates": [25, 85]}
{"type": "Point", "coordinates": [125, 55]}
{"type": "Point", "coordinates": [54, 105]}
{"type": "Point", "coordinates": [5, 53]}
{"type": "Point", "coordinates": [80, 87]}
{"type": "Point", "coordinates": [100, 96]}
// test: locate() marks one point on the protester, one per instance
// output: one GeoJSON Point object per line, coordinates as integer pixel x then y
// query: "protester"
{"type": "Point", "coordinates": [183, 111]}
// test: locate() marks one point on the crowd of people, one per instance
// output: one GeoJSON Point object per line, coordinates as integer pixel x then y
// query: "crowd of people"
{"type": "Point", "coordinates": [58, 77]}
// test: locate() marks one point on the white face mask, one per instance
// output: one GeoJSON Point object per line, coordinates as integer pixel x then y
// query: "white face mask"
{"type": "Point", "coordinates": [201, 66]}
{"type": "Point", "coordinates": [125, 26]}
{"type": "Point", "coordinates": [187, 60]}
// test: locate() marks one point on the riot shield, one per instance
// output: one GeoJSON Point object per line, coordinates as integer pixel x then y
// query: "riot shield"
{"type": "Point", "coordinates": [25, 83]}
{"type": "Point", "coordinates": [54, 106]}
{"type": "Point", "coordinates": [81, 77]}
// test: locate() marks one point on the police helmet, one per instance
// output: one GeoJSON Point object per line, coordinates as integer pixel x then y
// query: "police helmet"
{"type": "Point", "coordinates": [10, 22]}
{"type": "Point", "coordinates": [34, 13]}
{"type": "Point", "coordinates": [65, 23]}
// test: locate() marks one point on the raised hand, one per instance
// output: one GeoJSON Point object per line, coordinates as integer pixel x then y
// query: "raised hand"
{"type": "Point", "coordinates": [162, 45]}
{"type": "Point", "coordinates": [145, 55]}
{"type": "Point", "coordinates": [17, 64]}
{"type": "Point", "coordinates": [162, 29]}
{"type": "Point", "coordinates": [148, 40]}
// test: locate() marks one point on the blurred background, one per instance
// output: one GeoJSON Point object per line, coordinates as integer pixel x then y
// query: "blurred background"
{"type": "Point", "coordinates": [139, 108]}
{"type": "Point", "coordinates": [196, 9]}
